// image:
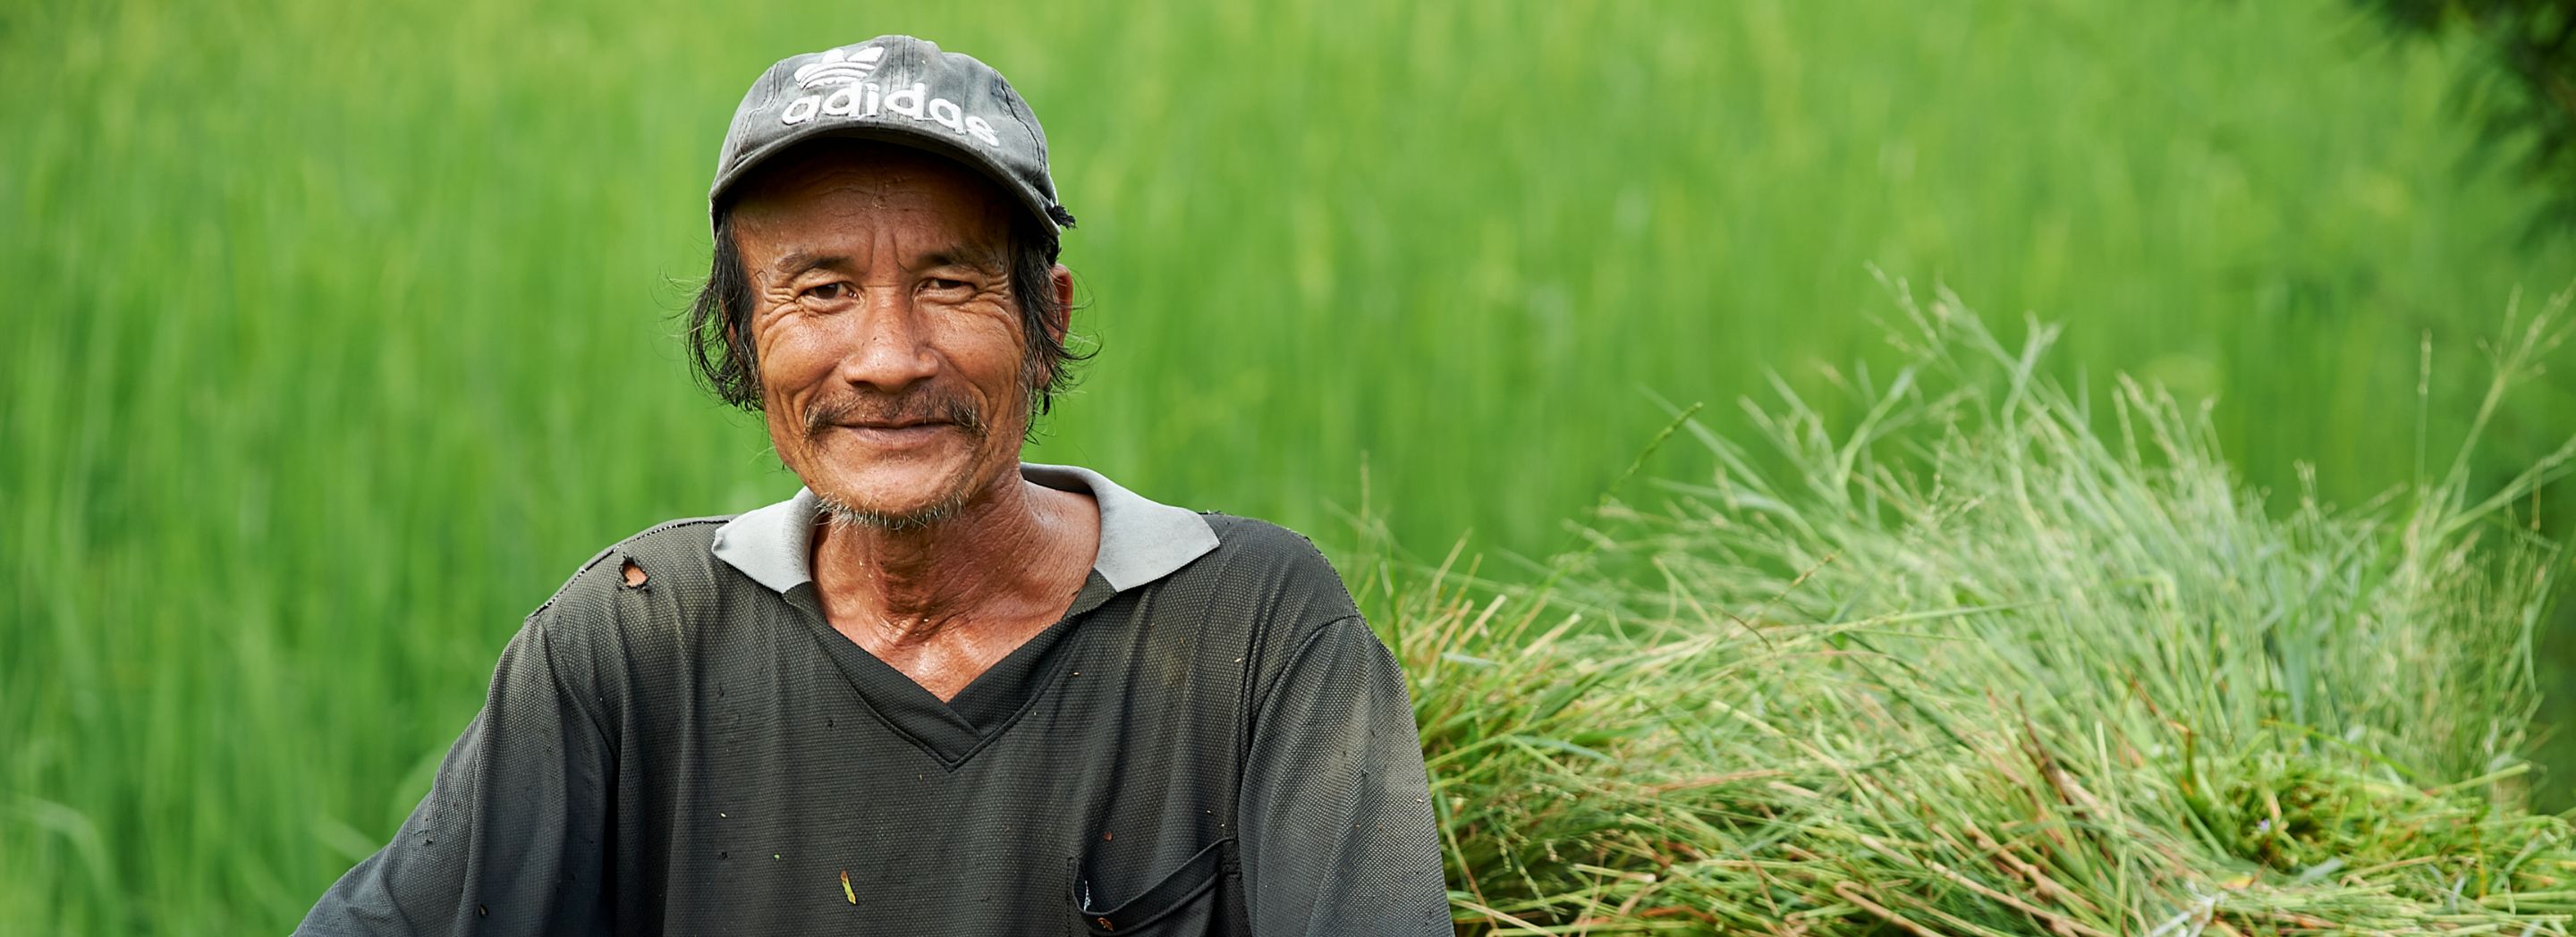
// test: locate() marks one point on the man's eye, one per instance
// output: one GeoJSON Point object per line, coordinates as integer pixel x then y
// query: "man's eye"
{"type": "Point", "coordinates": [829, 292]}
{"type": "Point", "coordinates": [944, 285]}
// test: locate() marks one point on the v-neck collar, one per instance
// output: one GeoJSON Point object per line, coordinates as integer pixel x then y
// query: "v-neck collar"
{"type": "Point", "coordinates": [1140, 541]}
{"type": "Point", "coordinates": [952, 731]}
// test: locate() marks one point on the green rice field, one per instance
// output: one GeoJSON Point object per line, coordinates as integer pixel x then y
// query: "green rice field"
{"type": "Point", "coordinates": [345, 331]}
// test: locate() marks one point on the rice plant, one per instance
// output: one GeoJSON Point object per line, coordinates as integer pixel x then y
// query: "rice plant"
{"type": "Point", "coordinates": [1977, 667]}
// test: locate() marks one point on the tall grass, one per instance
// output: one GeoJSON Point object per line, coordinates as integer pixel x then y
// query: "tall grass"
{"type": "Point", "coordinates": [1971, 667]}
{"type": "Point", "coordinates": [337, 332]}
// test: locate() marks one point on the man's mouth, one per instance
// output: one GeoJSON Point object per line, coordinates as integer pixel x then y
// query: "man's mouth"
{"type": "Point", "coordinates": [918, 419]}
{"type": "Point", "coordinates": [897, 433]}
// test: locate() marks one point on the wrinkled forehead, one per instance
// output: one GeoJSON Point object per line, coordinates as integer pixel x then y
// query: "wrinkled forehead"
{"type": "Point", "coordinates": [854, 183]}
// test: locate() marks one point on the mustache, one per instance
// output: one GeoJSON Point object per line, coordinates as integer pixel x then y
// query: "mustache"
{"type": "Point", "coordinates": [926, 405]}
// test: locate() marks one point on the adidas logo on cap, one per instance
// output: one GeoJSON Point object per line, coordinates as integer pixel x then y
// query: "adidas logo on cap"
{"type": "Point", "coordinates": [854, 97]}
{"type": "Point", "coordinates": [839, 67]}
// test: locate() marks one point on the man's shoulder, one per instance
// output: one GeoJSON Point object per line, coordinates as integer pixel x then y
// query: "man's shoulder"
{"type": "Point", "coordinates": [1270, 579]}
{"type": "Point", "coordinates": [1252, 533]}
{"type": "Point", "coordinates": [672, 556]}
{"type": "Point", "coordinates": [1250, 546]}
{"type": "Point", "coordinates": [622, 612]}
{"type": "Point", "coordinates": [682, 544]}
{"type": "Point", "coordinates": [1275, 583]}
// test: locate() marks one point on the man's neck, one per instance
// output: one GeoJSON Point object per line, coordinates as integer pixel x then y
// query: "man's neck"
{"type": "Point", "coordinates": [1017, 551]}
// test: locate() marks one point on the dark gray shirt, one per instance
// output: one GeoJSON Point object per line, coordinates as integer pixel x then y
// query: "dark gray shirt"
{"type": "Point", "coordinates": [1211, 741]}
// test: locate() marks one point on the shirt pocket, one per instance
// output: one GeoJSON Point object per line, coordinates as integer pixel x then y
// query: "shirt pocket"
{"type": "Point", "coordinates": [1202, 896]}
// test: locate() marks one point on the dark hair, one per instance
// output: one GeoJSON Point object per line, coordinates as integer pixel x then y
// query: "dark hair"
{"type": "Point", "coordinates": [719, 331]}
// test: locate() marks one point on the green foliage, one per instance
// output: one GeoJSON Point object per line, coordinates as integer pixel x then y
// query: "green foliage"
{"type": "Point", "coordinates": [2526, 91]}
{"type": "Point", "coordinates": [339, 333]}
{"type": "Point", "coordinates": [1969, 666]}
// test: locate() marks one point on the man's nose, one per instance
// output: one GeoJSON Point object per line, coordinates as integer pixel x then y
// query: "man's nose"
{"type": "Point", "coordinates": [891, 348]}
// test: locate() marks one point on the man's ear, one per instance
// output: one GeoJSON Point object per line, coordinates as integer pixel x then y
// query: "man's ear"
{"type": "Point", "coordinates": [1060, 280]}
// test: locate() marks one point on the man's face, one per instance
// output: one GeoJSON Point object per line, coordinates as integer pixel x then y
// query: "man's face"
{"type": "Point", "coordinates": [887, 329]}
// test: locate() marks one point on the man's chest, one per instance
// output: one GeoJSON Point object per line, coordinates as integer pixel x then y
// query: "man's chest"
{"type": "Point", "coordinates": [1104, 759]}
{"type": "Point", "coordinates": [946, 663]}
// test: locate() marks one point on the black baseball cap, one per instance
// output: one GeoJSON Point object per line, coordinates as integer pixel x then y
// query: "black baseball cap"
{"type": "Point", "coordinates": [900, 90]}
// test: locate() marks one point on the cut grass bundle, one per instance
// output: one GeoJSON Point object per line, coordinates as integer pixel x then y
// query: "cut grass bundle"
{"type": "Point", "coordinates": [339, 332]}
{"type": "Point", "coordinates": [1975, 667]}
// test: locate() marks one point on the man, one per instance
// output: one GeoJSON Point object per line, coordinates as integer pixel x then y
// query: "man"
{"type": "Point", "coordinates": [938, 691]}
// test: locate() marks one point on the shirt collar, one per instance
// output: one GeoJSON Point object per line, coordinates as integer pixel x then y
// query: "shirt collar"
{"type": "Point", "coordinates": [1141, 540]}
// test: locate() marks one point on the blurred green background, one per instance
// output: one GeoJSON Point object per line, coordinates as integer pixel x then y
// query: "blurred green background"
{"type": "Point", "coordinates": [342, 332]}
